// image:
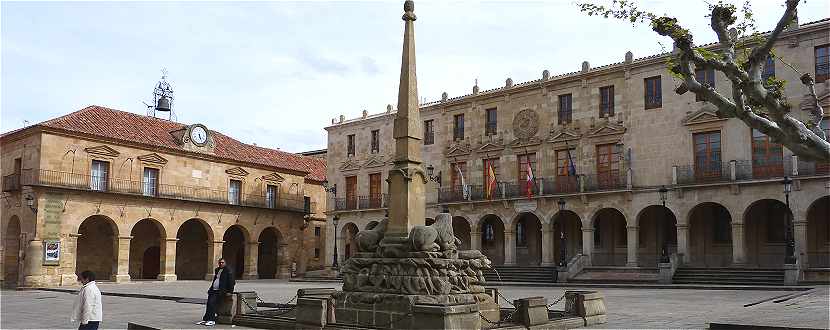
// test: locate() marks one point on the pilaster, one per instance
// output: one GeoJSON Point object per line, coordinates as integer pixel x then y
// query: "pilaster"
{"type": "Point", "coordinates": [33, 259]}
{"type": "Point", "coordinates": [251, 252]}
{"type": "Point", "coordinates": [683, 242]}
{"type": "Point", "coordinates": [509, 248]}
{"type": "Point", "coordinates": [122, 268]}
{"type": "Point", "coordinates": [547, 245]}
{"type": "Point", "coordinates": [632, 245]}
{"type": "Point", "coordinates": [800, 236]}
{"type": "Point", "coordinates": [70, 258]}
{"type": "Point", "coordinates": [738, 249]}
{"type": "Point", "coordinates": [168, 259]}
{"type": "Point", "coordinates": [588, 244]}
{"type": "Point", "coordinates": [475, 239]}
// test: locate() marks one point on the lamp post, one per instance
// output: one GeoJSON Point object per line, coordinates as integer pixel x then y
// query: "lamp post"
{"type": "Point", "coordinates": [664, 254]}
{"type": "Point", "coordinates": [334, 221]}
{"type": "Point", "coordinates": [789, 257]}
{"type": "Point", "coordinates": [563, 249]}
{"type": "Point", "coordinates": [435, 178]}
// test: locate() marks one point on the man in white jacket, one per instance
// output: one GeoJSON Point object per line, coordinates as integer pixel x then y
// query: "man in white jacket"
{"type": "Point", "coordinates": [88, 311]}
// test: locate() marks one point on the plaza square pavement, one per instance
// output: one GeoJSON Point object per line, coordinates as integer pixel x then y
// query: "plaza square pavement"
{"type": "Point", "coordinates": [627, 307]}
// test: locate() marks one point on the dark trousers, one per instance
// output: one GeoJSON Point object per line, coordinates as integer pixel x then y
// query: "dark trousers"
{"type": "Point", "coordinates": [91, 325]}
{"type": "Point", "coordinates": [210, 307]}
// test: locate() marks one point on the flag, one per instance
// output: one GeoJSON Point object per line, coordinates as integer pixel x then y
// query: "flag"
{"type": "Point", "coordinates": [571, 167]}
{"type": "Point", "coordinates": [529, 180]}
{"type": "Point", "coordinates": [491, 180]}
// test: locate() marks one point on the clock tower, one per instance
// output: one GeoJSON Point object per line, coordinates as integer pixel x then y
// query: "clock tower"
{"type": "Point", "coordinates": [195, 137]}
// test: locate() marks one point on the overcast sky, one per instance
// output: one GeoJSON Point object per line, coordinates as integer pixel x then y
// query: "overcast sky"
{"type": "Point", "coordinates": [275, 73]}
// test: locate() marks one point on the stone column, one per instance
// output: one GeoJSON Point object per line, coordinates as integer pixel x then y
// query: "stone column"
{"type": "Point", "coordinates": [32, 267]}
{"type": "Point", "coordinates": [69, 258]}
{"type": "Point", "coordinates": [683, 242]}
{"type": "Point", "coordinates": [283, 264]}
{"type": "Point", "coordinates": [122, 267]}
{"type": "Point", "coordinates": [214, 253]}
{"type": "Point", "coordinates": [509, 248]}
{"type": "Point", "coordinates": [547, 245]}
{"type": "Point", "coordinates": [588, 244]}
{"type": "Point", "coordinates": [738, 251]}
{"type": "Point", "coordinates": [632, 244]}
{"type": "Point", "coordinates": [475, 239]}
{"type": "Point", "coordinates": [167, 271]}
{"type": "Point", "coordinates": [251, 251]}
{"type": "Point", "coordinates": [800, 236]}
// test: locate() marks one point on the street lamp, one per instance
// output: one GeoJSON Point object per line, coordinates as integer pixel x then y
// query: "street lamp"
{"type": "Point", "coordinates": [789, 255]}
{"type": "Point", "coordinates": [435, 178]}
{"type": "Point", "coordinates": [332, 189]}
{"type": "Point", "coordinates": [563, 250]}
{"type": "Point", "coordinates": [334, 221]}
{"type": "Point", "coordinates": [664, 255]}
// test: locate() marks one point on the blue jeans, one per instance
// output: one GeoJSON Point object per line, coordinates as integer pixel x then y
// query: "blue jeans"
{"type": "Point", "coordinates": [91, 325]}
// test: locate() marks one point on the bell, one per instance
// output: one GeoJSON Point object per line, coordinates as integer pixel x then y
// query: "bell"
{"type": "Point", "coordinates": [163, 104]}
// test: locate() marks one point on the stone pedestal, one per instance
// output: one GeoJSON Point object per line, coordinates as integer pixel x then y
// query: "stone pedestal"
{"type": "Point", "coordinates": [462, 316]}
{"type": "Point", "coordinates": [561, 274]}
{"type": "Point", "coordinates": [590, 305]}
{"type": "Point", "coordinates": [311, 313]}
{"type": "Point", "coordinates": [791, 274]}
{"type": "Point", "coordinates": [531, 311]}
{"type": "Point", "coordinates": [665, 275]}
{"type": "Point", "coordinates": [398, 311]}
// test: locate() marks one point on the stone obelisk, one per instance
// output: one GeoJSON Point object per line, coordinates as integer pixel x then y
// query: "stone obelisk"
{"type": "Point", "coordinates": [407, 180]}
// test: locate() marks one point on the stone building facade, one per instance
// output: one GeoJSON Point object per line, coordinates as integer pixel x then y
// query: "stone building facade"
{"type": "Point", "coordinates": [136, 197]}
{"type": "Point", "coordinates": [604, 141]}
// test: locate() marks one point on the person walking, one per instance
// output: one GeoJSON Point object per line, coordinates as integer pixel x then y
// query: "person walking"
{"type": "Point", "coordinates": [88, 310]}
{"type": "Point", "coordinates": [221, 287]}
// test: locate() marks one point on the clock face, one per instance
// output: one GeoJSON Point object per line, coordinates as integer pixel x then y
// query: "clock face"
{"type": "Point", "coordinates": [198, 134]}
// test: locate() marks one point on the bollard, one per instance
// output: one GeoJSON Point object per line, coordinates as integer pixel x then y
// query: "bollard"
{"type": "Point", "coordinates": [590, 305]}
{"type": "Point", "coordinates": [531, 311]}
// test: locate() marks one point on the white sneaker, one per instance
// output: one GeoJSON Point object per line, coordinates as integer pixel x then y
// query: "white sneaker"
{"type": "Point", "coordinates": [210, 323]}
{"type": "Point", "coordinates": [201, 323]}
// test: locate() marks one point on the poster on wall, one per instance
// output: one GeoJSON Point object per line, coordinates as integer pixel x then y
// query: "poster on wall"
{"type": "Point", "coordinates": [51, 252]}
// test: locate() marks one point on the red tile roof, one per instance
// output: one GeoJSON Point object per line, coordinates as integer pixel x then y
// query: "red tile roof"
{"type": "Point", "coordinates": [125, 126]}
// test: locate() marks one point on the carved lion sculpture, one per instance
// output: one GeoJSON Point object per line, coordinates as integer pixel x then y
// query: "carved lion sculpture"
{"type": "Point", "coordinates": [367, 240]}
{"type": "Point", "coordinates": [435, 237]}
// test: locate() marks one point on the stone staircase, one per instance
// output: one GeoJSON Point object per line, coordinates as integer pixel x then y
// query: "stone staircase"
{"type": "Point", "coordinates": [616, 275]}
{"type": "Point", "coordinates": [526, 274]}
{"type": "Point", "coordinates": [729, 276]}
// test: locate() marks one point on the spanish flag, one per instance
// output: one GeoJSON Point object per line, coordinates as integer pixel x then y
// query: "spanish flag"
{"type": "Point", "coordinates": [491, 181]}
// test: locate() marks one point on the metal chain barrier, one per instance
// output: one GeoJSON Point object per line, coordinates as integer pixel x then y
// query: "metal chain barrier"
{"type": "Point", "coordinates": [505, 299]}
{"type": "Point", "coordinates": [556, 301]}
{"type": "Point", "coordinates": [488, 321]}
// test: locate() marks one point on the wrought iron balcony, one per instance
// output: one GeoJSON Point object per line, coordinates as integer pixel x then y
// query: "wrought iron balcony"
{"type": "Point", "coordinates": [364, 202]}
{"type": "Point", "coordinates": [748, 170]}
{"type": "Point", "coordinates": [703, 173]}
{"type": "Point", "coordinates": [611, 180]}
{"type": "Point", "coordinates": [48, 178]}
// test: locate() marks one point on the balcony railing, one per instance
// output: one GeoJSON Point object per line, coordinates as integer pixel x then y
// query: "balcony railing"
{"type": "Point", "coordinates": [612, 180]}
{"type": "Point", "coordinates": [703, 173]}
{"type": "Point", "coordinates": [11, 182]}
{"type": "Point", "coordinates": [745, 170]}
{"type": "Point", "coordinates": [560, 185]}
{"type": "Point", "coordinates": [67, 180]}
{"type": "Point", "coordinates": [361, 202]}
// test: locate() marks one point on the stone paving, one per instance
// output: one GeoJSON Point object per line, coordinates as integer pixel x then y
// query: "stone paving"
{"type": "Point", "coordinates": [627, 307]}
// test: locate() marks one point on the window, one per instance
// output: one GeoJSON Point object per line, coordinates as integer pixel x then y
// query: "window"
{"type": "Point", "coordinates": [234, 192]}
{"type": "Point", "coordinates": [374, 190]}
{"type": "Point", "coordinates": [429, 132]}
{"type": "Point", "coordinates": [767, 157]}
{"type": "Point", "coordinates": [491, 179]}
{"type": "Point", "coordinates": [524, 161]}
{"type": "Point", "coordinates": [822, 63]}
{"type": "Point", "coordinates": [566, 180]}
{"type": "Point", "coordinates": [350, 144]}
{"type": "Point", "coordinates": [487, 232]}
{"type": "Point", "coordinates": [307, 204]}
{"type": "Point", "coordinates": [769, 69]}
{"type": "Point", "coordinates": [317, 253]}
{"type": "Point", "coordinates": [351, 192]}
{"type": "Point", "coordinates": [271, 194]}
{"type": "Point", "coordinates": [490, 119]}
{"type": "Point", "coordinates": [18, 168]}
{"type": "Point", "coordinates": [565, 109]}
{"type": "Point", "coordinates": [150, 181]}
{"type": "Point", "coordinates": [608, 165]}
{"type": "Point", "coordinates": [705, 77]}
{"type": "Point", "coordinates": [606, 101]}
{"type": "Point", "coordinates": [375, 141]}
{"type": "Point", "coordinates": [824, 167]}
{"type": "Point", "coordinates": [317, 231]}
{"type": "Point", "coordinates": [654, 92]}
{"type": "Point", "coordinates": [99, 177]}
{"type": "Point", "coordinates": [521, 234]}
{"type": "Point", "coordinates": [458, 127]}
{"type": "Point", "coordinates": [707, 155]}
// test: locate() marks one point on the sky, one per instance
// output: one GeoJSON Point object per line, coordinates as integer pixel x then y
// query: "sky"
{"type": "Point", "coordinates": [276, 73]}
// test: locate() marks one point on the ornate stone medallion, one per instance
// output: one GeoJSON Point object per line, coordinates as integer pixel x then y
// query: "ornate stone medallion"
{"type": "Point", "coordinates": [526, 124]}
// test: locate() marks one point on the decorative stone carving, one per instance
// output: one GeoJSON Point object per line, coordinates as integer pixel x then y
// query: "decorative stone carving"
{"type": "Point", "coordinates": [526, 124]}
{"type": "Point", "coordinates": [435, 237]}
{"type": "Point", "coordinates": [367, 240]}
